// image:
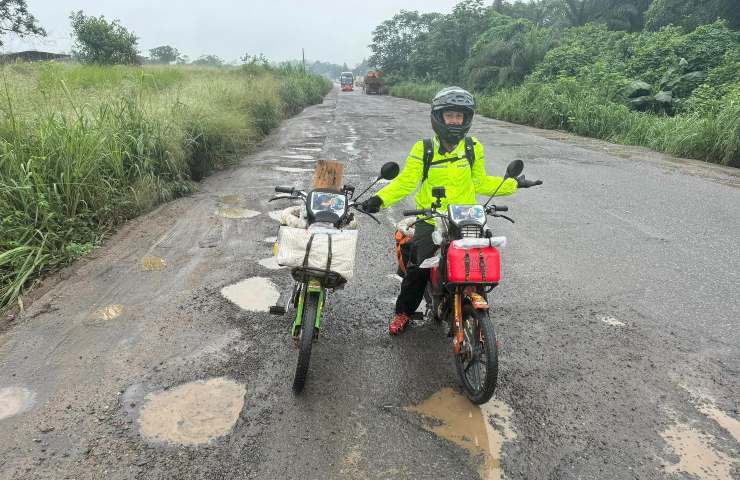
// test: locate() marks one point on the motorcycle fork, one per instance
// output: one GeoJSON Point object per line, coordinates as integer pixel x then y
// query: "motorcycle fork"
{"type": "Point", "coordinates": [458, 333]}
{"type": "Point", "coordinates": [312, 286]}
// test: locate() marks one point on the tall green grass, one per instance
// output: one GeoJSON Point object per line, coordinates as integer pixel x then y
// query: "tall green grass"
{"type": "Point", "coordinates": [713, 136]}
{"type": "Point", "coordinates": [83, 148]}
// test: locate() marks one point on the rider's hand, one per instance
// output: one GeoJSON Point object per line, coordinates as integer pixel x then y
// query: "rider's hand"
{"type": "Point", "coordinates": [522, 182]}
{"type": "Point", "coordinates": [372, 204]}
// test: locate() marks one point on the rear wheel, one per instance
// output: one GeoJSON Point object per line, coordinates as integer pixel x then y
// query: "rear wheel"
{"type": "Point", "coordinates": [305, 340]}
{"type": "Point", "coordinates": [477, 363]}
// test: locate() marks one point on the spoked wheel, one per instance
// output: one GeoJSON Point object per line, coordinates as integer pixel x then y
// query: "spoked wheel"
{"type": "Point", "coordinates": [305, 340]}
{"type": "Point", "coordinates": [477, 363]}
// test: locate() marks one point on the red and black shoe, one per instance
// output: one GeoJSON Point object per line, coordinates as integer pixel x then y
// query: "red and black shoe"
{"type": "Point", "coordinates": [398, 324]}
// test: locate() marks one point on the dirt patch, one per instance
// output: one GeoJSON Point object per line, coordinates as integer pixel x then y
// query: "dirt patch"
{"type": "Point", "coordinates": [696, 456]}
{"type": "Point", "coordinates": [193, 413]}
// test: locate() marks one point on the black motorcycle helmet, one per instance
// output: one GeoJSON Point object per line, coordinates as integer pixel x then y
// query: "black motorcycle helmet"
{"type": "Point", "coordinates": [452, 98]}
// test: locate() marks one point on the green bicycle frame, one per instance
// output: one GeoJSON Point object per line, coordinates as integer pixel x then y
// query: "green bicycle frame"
{"type": "Point", "coordinates": [312, 286]}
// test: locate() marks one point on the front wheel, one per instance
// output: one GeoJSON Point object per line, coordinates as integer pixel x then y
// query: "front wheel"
{"type": "Point", "coordinates": [477, 362]}
{"type": "Point", "coordinates": [305, 340]}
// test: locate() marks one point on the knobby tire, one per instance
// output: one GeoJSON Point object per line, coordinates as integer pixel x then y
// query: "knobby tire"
{"type": "Point", "coordinates": [479, 323]}
{"type": "Point", "coordinates": [308, 323]}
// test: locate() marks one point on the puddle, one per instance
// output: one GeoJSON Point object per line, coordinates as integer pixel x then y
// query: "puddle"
{"type": "Point", "coordinates": [150, 263]}
{"type": "Point", "coordinates": [231, 199]}
{"type": "Point", "coordinates": [110, 312]}
{"type": "Point", "coordinates": [609, 320]}
{"type": "Point", "coordinates": [349, 147]}
{"type": "Point", "coordinates": [192, 413]}
{"type": "Point", "coordinates": [15, 400]}
{"type": "Point", "coordinates": [469, 426]}
{"type": "Point", "coordinates": [307, 149]}
{"type": "Point", "coordinates": [297, 157]}
{"type": "Point", "coordinates": [294, 169]}
{"type": "Point", "coordinates": [236, 213]}
{"type": "Point", "coordinates": [696, 455]}
{"type": "Point", "coordinates": [271, 263]}
{"type": "Point", "coordinates": [725, 421]}
{"type": "Point", "coordinates": [255, 294]}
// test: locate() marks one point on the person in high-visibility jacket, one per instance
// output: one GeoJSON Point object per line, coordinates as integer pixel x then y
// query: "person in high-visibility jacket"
{"type": "Point", "coordinates": [450, 166]}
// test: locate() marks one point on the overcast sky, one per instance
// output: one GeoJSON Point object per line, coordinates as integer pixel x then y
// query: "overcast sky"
{"type": "Point", "coordinates": [335, 31]}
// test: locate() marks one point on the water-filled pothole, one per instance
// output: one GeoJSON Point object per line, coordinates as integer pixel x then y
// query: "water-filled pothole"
{"type": "Point", "coordinates": [15, 400]}
{"type": "Point", "coordinates": [293, 169]}
{"type": "Point", "coordinates": [255, 294]}
{"type": "Point", "coordinates": [236, 213]}
{"type": "Point", "coordinates": [298, 156]}
{"type": "Point", "coordinates": [231, 199]}
{"type": "Point", "coordinates": [270, 263]}
{"type": "Point", "coordinates": [151, 263]}
{"type": "Point", "coordinates": [467, 425]}
{"type": "Point", "coordinates": [109, 312]}
{"type": "Point", "coordinates": [193, 413]}
{"type": "Point", "coordinates": [696, 456]}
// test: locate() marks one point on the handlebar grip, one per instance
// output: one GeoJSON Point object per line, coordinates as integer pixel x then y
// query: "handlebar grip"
{"type": "Point", "coordinates": [284, 189]}
{"type": "Point", "coordinates": [413, 213]}
{"type": "Point", "coordinates": [502, 209]}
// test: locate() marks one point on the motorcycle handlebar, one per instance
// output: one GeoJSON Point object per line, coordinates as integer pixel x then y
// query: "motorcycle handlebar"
{"type": "Point", "coordinates": [413, 213]}
{"type": "Point", "coordinates": [284, 190]}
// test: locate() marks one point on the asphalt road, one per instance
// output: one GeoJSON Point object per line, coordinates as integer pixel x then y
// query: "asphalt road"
{"type": "Point", "coordinates": [618, 316]}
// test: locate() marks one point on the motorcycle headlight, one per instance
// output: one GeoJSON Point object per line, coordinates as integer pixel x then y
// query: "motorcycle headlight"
{"type": "Point", "coordinates": [467, 214]}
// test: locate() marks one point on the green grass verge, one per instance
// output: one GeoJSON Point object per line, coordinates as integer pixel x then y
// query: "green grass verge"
{"type": "Point", "coordinates": [713, 136]}
{"type": "Point", "coordinates": [83, 148]}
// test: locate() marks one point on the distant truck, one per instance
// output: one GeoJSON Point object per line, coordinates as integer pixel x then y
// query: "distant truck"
{"type": "Point", "coordinates": [347, 81]}
{"type": "Point", "coordinates": [374, 82]}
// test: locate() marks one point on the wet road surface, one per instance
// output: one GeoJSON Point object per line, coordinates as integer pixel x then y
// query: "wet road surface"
{"type": "Point", "coordinates": [618, 316]}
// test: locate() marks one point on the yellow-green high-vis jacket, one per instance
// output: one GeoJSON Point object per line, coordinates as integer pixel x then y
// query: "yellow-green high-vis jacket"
{"type": "Point", "coordinates": [450, 170]}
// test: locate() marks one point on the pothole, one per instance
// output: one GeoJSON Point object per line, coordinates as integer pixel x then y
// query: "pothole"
{"type": "Point", "coordinates": [15, 400]}
{"type": "Point", "coordinates": [151, 263]}
{"type": "Point", "coordinates": [193, 413]}
{"type": "Point", "coordinates": [298, 157]}
{"type": "Point", "coordinates": [231, 199]}
{"type": "Point", "coordinates": [236, 213]}
{"type": "Point", "coordinates": [696, 456]}
{"type": "Point", "coordinates": [270, 263]}
{"type": "Point", "coordinates": [467, 425]}
{"type": "Point", "coordinates": [255, 294]}
{"type": "Point", "coordinates": [109, 312]}
{"type": "Point", "coordinates": [307, 149]}
{"type": "Point", "coordinates": [293, 169]}
{"type": "Point", "coordinates": [609, 320]}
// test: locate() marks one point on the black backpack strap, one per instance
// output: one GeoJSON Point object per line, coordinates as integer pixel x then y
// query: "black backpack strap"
{"type": "Point", "coordinates": [470, 151]}
{"type": "Point", "coordinates": [428, 156]}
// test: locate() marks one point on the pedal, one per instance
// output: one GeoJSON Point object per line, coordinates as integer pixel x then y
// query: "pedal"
{"type": "Point", "coordinates": [277, 310]}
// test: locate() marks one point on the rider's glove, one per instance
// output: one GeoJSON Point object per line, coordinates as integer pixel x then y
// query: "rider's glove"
{"type": "Point", "coordinates": [372, 204]}
{"type": "Point", "coordinates": [522, 182]}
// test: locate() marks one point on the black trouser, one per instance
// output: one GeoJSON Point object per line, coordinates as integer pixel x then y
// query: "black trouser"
{"type": "Point", "coordinates": [412, 287]}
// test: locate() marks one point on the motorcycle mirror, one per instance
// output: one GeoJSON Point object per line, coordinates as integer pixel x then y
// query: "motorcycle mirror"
{"type": "Point", "coordinates": [389, 171]}
{"type": "Point", "coordinates": [514, 169]}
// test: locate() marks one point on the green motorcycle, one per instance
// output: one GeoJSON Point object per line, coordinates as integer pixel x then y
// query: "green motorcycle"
{"type": "Point", "coordinates": [321, 257]}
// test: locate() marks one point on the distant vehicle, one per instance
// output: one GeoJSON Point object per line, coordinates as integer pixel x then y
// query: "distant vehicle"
{"type": "Point", "coordinates": [347, 81]}
{"type": "Point", "coordinates": [374, 82]}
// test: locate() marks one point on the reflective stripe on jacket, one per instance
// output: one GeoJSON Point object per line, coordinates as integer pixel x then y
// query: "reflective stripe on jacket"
{"type": "Point", "coordinates": [450, 170]}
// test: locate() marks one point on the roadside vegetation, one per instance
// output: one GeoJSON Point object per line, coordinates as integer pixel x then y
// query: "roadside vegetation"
{"type": "Point", "coordinates": [85, 147]}
{"type": "Point", "coordinates": [634, 72]}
